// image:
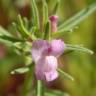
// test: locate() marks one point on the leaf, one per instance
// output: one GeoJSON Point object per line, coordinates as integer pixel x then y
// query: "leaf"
{"type": "Point", "coordinates": [66, 75]}
{"type": "Point", "coordinates": [20, 70]}
{"type": "Point", "coordinates": [55, 93]}
{"type": "Point", "coordinates": [28, 60]}
{"type": "Point", "coordinates": [23, 31]}
{"type": "Point", "coordinates": [47, 31]}
{"type": "Point", "coordinates": [6, 37]}
{"type": "Point", "coordinates": [45, 12]}
{"type": "Point", "coordinates": [26, 23]}
{"type": "Point", "coordinates": [9, 38]}
{"type": "Point", "coordinates": [72, 22]}
{"type": "Point", "coordinates": [4, 32]}
{"type": "Point", "coordinates": [56, 6]}
{"type": "Point", "coordinates": [35, 13]}
{"type": "Point", "coordinates": [9, 43]}
{"type": "Point", "coordinates": [78, 48]}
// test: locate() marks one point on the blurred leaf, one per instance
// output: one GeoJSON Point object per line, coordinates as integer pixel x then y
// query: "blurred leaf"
{"type": "Point", "coordinates": [47, 31]}
{"type": "Point", "coordinates": [56, 7]}
{"type": "Point", "coordinates": [78, 48]}
{"type": "Point", "coordinates": [55, 93]}
{"type": "Point", "coordinates": [45, 12]}
{"type": "Point", "coordinates": [4, 32]}
{"type": "Point", "coordinates": [66, 75]}
{"type": "Point", "coordinates": [6, 37]}
{"type": "Point", "coordinates": [28, 60]}
{"type": "Point", "coordinates": [26, 23]}
{"type": "Point", "coordinates": [35, 13]}
{"type": "Point", "coordinates": [21, 48]}
{"type": "Point", "coordinates": [72, 22]}
{"type": "Point", "coordinates": [9, 38]}
{"type": "Point", "coordinates": [23, 31]}
{"type": "Point", "coordinates": [20, 70]}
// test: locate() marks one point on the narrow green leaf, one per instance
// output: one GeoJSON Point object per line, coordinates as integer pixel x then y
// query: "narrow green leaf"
{"type": "Point", "coordinates": [4, 32]}
{"type": "Point", "coordinates": [22, 28]}
{"type": "Point", "coordinates": [9, 38]}
{"type": "Point", "coordinates": [55, 93]}
{"type": "Point", "coordinates": [26, 23]}
{"type": "Point", "coordinates": [72, 22]}
{"type": "Point", "coordinates": [15, 27]}
{"type": "Point", "coordinates": [24, 32]}
{"type": "Point", "coordinates": [6, 36]}
{"type": "Point", "coordinates": [45, 12]}
{"type": "Point", "coordinates": [66, 75]}
{"type": "Point", "coordinates": [78, 48]}
{"type": "Point", "coordinates": [76, 19]}
{"type": "Point", "coordinates": [47, 31]}
{"type": "Point", "coordinates": [35, 13]}
{"type": "Point", "coordinates": [6, 42]}
{"type": "Point", "coordinates": [33, 30]}
{"type": "Point", "coordinates": [56, 7]}
{"type": "Point", "coordinates": [20, 70]}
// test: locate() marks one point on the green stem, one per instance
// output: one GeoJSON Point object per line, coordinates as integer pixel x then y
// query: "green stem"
{"type": "Point", "coordinates": [28, 82]}
{"type": "Point", "coordinates": [40, 88]}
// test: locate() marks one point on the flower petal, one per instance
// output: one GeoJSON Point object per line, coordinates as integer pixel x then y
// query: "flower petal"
{"type": "Point", "coordinates": [50, 63]}
{"type": "Point", "coordinates": [50, 67]}
{"type": "Point", "coordinates": [57, 47]}
{"type": "Point", "coordinates": [39, 69]}
{"type": "Point", "coordinates": [46, 66]}
{"type": "Point", "coordinates": [38, 49]}
{"type": "Point", "coordinates": [52, 75]}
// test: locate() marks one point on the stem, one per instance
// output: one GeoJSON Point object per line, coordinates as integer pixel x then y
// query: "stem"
{"type": "Point", "coordinates": [40, 88]}
{"type": "Point", "coordinates": [28, 82]}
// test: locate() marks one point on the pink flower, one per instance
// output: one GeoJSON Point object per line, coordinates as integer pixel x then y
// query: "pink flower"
{"type": "Point", "coordinates": [45, 56]}
{"type": "Point", "coordinates": [54, 22]}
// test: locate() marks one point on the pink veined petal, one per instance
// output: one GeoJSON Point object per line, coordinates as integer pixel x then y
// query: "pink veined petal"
{"type": "Point", "coordinates": [52, 75]}
{"type": "Point", "coordinates": [38, 49]}
{"type": "Point", "coordinates": [46, 66]}
{"type": "Point", "coordinates": [39, 69]}
{"type": "Point", "coordinates": [57, 47]}
{"type": "Point", "coordinates": [50, 68]}
{"type": "Point", "coordinates": [50, 63]}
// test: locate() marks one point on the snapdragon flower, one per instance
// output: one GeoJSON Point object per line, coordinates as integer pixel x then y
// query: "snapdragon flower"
{"type": "Point", "coordinates": [45, 56]}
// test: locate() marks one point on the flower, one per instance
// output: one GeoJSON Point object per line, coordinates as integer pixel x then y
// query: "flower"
{"type": "Point", "coordinates": [45, 56]}
{"type": "Point", "coordinates": [54, 22]}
